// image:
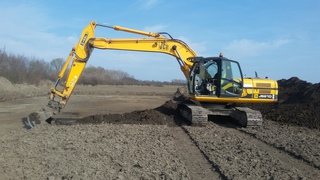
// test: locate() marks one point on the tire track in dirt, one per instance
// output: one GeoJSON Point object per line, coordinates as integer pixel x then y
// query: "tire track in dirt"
{"type": "Point", "coordinates": [292, 154]}
{"type": "Point", "coordinates": [287, 157]}
{"type": "Point", "coordinates": [299, 142]}
{"type": "Point", "coordinates": [199, 166]}
{"type": "Point", "coordinates": [240, 156]}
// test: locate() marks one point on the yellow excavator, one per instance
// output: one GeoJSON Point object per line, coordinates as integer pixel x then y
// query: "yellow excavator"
{"type": "Point", "coordinates": [215, 84]}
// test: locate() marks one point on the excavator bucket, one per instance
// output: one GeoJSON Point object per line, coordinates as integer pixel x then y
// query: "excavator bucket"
{"type": "Point", "coordinates": [44, 115]}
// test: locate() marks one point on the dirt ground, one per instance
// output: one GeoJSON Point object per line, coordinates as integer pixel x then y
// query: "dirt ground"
{"type": "Point", "coordinates": [134, 132]}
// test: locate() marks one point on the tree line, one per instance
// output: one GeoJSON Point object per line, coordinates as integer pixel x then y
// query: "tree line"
{"type": "Point", "coordinates": [20, 69]}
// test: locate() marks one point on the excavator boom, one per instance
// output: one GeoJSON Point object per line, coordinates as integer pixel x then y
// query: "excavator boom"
{"type": "Point", "coordinates": [80, 53]}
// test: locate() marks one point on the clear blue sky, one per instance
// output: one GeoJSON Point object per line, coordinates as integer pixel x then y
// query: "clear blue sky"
{"type": "Point", "coordinates": [276, 38]}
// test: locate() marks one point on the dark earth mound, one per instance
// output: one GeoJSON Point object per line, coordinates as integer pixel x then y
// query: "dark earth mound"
{"type": "Point", "coordinates": [299, 104]}
{"type": "Point", "coordinates": [165, 114]}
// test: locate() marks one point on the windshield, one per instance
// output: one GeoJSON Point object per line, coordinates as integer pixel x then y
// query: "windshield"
{"type": "Point", "coordinates": [216, 77]}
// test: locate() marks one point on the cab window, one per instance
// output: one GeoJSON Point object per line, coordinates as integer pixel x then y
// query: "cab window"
{"type": "Point", "coordinates": [231, 79]}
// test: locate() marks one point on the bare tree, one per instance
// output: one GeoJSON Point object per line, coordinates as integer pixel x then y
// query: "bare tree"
{"type": "Point", "coordinates": [179, 81]}
{"type": "Point", "coordinates": [18, 69]}
{"type": "Point", "coordinates": [38, 70]}
{"type": "Point", "coordinates": [4, 63]}
{"type": "Point", "coordinates": [57, 64]}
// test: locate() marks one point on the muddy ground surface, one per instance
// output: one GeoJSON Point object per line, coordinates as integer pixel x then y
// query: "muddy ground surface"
{"type": "Point", "coordinates": [136, 133]}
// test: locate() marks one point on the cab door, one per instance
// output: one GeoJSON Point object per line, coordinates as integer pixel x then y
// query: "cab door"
{"type": "Point", "coordinates": [231, 80]}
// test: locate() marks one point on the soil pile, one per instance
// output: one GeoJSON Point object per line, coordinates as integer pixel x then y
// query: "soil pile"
{"type": "Point", "coordinates": [9, 91]}
{"type": "Point", "coordinates": [165, 114]}
{"type": "Point", "coordinates": [299, 104]}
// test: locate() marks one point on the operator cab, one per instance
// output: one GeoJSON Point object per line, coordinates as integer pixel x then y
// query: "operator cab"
{"type": "Point", "coordinates": [215, 76]}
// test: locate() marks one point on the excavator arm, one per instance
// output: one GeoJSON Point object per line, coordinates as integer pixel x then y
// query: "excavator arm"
{"type": "Point", "coordinates": [80, 54]}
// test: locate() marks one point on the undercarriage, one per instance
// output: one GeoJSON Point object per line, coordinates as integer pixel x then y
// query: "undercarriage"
{"type": "Point", "coordinates": [199, 114]}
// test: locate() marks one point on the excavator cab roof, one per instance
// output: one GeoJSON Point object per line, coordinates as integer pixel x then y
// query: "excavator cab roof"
{"type": "Point", "coordinates": [206, 59]}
